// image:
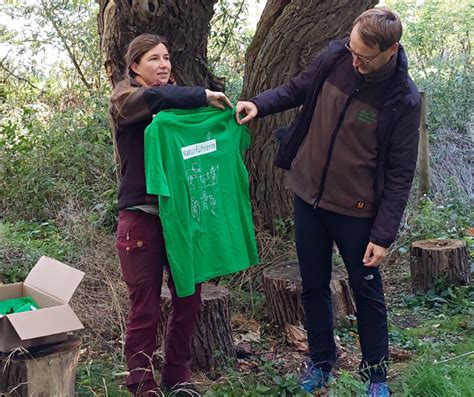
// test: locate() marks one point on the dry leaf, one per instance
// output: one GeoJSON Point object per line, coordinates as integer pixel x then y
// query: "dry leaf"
{"type": "Point", "coordinates": [399, 355]}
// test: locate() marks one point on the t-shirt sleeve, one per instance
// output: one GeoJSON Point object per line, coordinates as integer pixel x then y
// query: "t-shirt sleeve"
{"type": "Point", "coordinates": [156, 182]}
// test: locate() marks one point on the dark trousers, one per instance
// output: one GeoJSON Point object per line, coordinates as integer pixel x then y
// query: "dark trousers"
{"type": "Point", "coordinates": [315, 231]}
{"type": "Point", "coordinates": [141, 248]}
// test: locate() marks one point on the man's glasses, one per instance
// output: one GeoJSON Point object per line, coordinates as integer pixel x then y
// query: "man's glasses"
{"type": "Point", "coordinates": [366, 60]}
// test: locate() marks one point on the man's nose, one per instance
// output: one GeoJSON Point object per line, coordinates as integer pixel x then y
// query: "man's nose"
{"type": "Point", "coordinates": [356, 61]}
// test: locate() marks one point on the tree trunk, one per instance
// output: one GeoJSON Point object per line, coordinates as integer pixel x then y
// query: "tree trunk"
{"type": "Point", "coordinates": [433, 260]}
{"type": "Point", "coordinates": [41, 371]}
{"type": "Point", "coordinates": [288, 36]}
{"type": "Point", "coordinates": [184, 23]}
{"type": "Point", "coordinates": [282, 287]}
{"type": "Point", "coordinates": [212, 344]}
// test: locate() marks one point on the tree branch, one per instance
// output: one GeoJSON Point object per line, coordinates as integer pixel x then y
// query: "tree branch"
{"type": "Point", "coordinates": [10, 73]}
{"type": "Point", "coordinates": [68, 49]}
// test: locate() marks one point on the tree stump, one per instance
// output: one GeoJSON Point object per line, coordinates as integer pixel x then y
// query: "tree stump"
{"type": "Point", "coordinates": [212, 344]}
{"type": "Point", "coordinates": [432, 260]}
{"type": "Point", "coordinates": [282, 288]}
{"type": "Point", "coordinates": [44, 371]}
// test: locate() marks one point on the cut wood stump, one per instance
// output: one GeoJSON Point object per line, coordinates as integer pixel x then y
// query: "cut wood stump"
{"type": "Point", "coordinates": [433, 260]}
{"type": "Point", "coordinates": [43, 371]}
{"type": "Point", "coordinates": [212, 344]}
{"type": "Point", "coordinates": [282, 288]}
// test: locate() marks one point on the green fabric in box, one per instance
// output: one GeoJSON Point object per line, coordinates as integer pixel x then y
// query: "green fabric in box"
{"type": "Point", "coordinates": [18, 305]}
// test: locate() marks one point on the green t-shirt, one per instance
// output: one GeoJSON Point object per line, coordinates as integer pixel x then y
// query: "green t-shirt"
{"type": "Point", "coordinates": [17, 305]}
{"type": "Point", "coordinates": [194, 162]}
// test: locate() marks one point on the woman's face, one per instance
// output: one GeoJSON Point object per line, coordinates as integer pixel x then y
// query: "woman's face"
{"type": "Point", "coordinates": [154, 67]}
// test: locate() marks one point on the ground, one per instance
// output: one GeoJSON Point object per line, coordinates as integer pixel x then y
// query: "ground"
{"type": "Point", "coordinates": [430, 335]}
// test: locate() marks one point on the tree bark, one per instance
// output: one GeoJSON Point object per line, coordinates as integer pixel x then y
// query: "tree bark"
{"type": "Point", "coordinates": [184, 23]}
{"type": "Point", "coordinates": [41, 371]}
{"type": "Point", "coordinates": [282, 288]}
{"type": "Point", "coordinates": [290, 33]}
{"type": "Point", "coordinates": [212, 344]}
{"type": "Point", "coordinates": [432, 260]}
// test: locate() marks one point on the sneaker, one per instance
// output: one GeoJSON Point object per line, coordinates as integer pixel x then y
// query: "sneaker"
{"type": "Point", "coordinates": [378, 389]}
{"type": "Point", "coordinates": [314, 379]}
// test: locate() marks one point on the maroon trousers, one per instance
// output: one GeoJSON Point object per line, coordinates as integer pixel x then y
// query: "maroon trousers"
{"type": "Point", "coordinates": [141, 249]}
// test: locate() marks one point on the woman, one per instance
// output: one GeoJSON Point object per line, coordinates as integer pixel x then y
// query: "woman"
{"type": "Point", "coordinates": [147, 89]}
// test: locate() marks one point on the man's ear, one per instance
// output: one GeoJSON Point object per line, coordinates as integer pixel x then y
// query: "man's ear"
{"type": "Point", "coordinates": [393, 49]}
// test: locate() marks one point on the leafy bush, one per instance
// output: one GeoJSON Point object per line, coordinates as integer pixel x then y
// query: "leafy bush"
{"type": "Point", "coordinates": [52, 160]}
{"type": "Point", "coordinates": [437, 40]}
{"type": "Point", "coordinates": [447, 216]}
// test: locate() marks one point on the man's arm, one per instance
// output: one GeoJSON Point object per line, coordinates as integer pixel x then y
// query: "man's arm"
{"type": "Point", "coordinates": [287, 96]}
{"type": "Point", "coordinates": [399, 172]}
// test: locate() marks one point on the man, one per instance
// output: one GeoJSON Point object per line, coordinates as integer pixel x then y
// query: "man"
{"type": "Point", "coordinates": [351, 155]}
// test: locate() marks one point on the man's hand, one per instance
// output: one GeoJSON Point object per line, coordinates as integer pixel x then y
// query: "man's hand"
{"type": "Point", "coordinates": [374, 255]}
{"type": "Point", "coordinates": [217, 99]}
{"type": "Point", "coordinates": [248, 109]}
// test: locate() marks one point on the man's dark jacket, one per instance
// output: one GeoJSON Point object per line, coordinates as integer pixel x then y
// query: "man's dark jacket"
{"type": "Point", "coordinates": [397, 132]}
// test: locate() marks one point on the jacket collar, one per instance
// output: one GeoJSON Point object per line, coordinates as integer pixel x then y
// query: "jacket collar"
{"type": "Point", "coordinates": [401, 78]}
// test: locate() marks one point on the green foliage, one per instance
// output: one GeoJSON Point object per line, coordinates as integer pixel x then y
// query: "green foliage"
{"type": "Point", "coordinates": [444, 298]}
{"type": "Point", "coordinates": [52, 160]}
{"type": "Point", "coordinates": [268, 382]}
{"type": "Point", "coordinates": [285, 228]}
{"type": "Point", "coordinates": [96, 377]}
{"type": "Point", "coordinates": [60, 27]}
{"type": "Point", "coordinates": [35, 239]}
{"type": "Point", "coordinates": [442, 217]}
{"type": "Point", "coordinates": [228, 40]}
{"type": "Point", "coordinates": [427, 378]}
{"type": "Point", "coordinates": [438, 40]}
{"type": "Point", "coordinates": [441, 221]}
{"type": "Point", "coordinates": [346, 385]}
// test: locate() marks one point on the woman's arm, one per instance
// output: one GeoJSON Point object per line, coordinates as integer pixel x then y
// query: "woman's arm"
{"type": "Point", "coordinates": [144, 102]}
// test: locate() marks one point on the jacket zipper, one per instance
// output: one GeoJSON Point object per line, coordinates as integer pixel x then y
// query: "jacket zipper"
{"type": "Point", "coordinates": [332, 143]}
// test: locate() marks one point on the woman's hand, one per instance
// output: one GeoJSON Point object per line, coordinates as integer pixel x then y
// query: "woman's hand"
{"type": "Point", "coordinates": [217, 99]}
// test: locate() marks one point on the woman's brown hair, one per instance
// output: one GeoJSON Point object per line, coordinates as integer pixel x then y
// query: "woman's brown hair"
{"type": "Point", "coordinates": [138, 47]}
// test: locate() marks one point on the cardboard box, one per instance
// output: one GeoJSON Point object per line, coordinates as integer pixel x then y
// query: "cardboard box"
{"type": "Point", "coordinates": [51, 284]}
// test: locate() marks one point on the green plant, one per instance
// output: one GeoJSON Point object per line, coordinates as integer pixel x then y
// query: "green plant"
{"type": "Point", "coordinates": [56, 162]}
{"type": "Point", "coordinates": [446, 299]}
{"type": "Point", "coordinates": [34, 239]}
{"type": "Point", "coordinates": [267, 381]}
{"type": "Point", "coordinates": [431, 379]}
{"type": "Point", "coordinates": [346, 385]}
{"type": "Point", "coordinates": [96, 377]}
{"type": "Point", "coordinates": [285, 228]}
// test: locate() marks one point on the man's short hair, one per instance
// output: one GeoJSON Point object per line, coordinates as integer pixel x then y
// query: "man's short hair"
{"type": "Point", "coordinates": [379, 27]}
